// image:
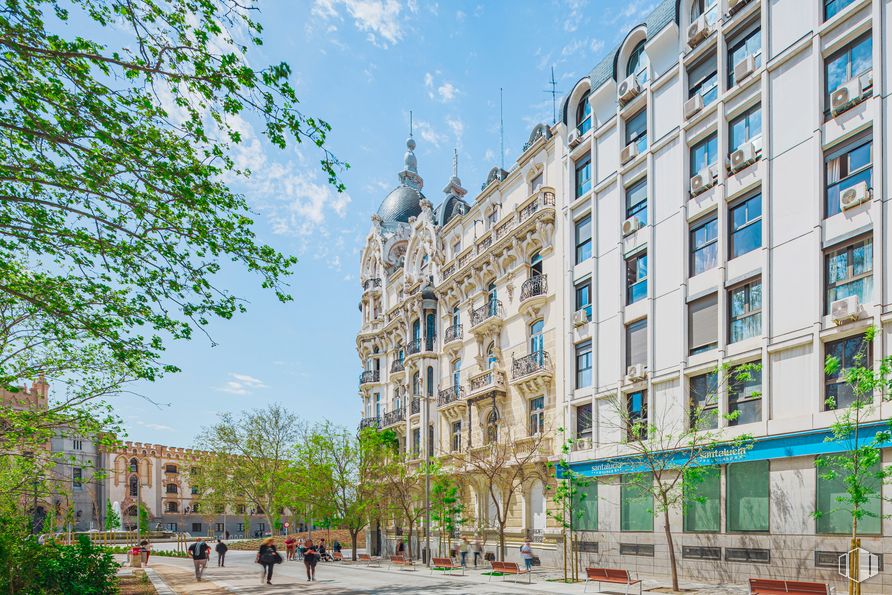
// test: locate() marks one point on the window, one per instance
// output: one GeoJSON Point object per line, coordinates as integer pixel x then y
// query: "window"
{"type": "Point", "coordinates": [492, 426]}
{"type": "Point", "coordinates": [491, 359]}
{"type": "Point", "coordinates": [704, 7]}
{"type": "Point", "coordinates": [535, 264]}
{"type": "Point", "coordinates": [704, 154]}
{"type": "Point", "coordinates": [583, 175]}
{"type": "Point", "coordinates": [636, 201]}
{"type": "Point", "coordinates": [704, 245]}
{"type": "Point", "coordinates": [170, 468]}
{"type": "Point", "coordinates": [636, 505]}
{"type": "Point", "coordinates": [584, 239]}
{"type": "Point", "coordinates": [171, 488]}
{"type": "Point", "coordinates": [416, 443]}
{"type": "Point", "coordinates": [77, 478]}
{"type": "Point", "coordinates": [492, 218]}
{"type": "Point", "coordinates": [456, 374]}
{"type": "Point", "coordinates": [194, 490]}
{"type": "Point", "coordinates": [584, 421]}
{"type": "Point", "coordinates": [636, 405]}
{"type": "Point", "coordinates": [172, 507]}
{"type": "Point", "coordinates": [831, 8]}
{"type": "Point", "coordinates": [745, 311]}
{"type": "Point", "coordinates": [134, 486]}
{"type": "Point", "coordinates": [745, 127]}
{"type": "Point", "coordinates": [636, 130]}
{"type": "Point", "coordinates": [744, 395]}
{"type": "Point", "coordinates": [77, 444]}
{"type": "Point", "coordinates": [703, 329]}
{"type": "Point", "coordinates": [850, 62]}
{"type": "Point", "coordinates": [584, 297]}
{"type": "Point", "coordinates": [636, 343]}
{"type": "Point", "coordinates": [416, 384]}
{"type": "Point", "coordinates": [240, 509]}
{"type": "Point", "coordinates": [636, 278]}
{"type": "Point", "coordinates": [703, 497]}
{"type": "Point", "coordinates": [219, 527]}
{"type": "Point", "coordinates": [850, 352]}
{"type": "Point", "coordinates": [585, 508]}
{"type": "Point", "coordinates": [637, 63]}
{"type": "Point", "coordinates": [377, 404]}
{"type": "Point", "coordinates": [456, 248]}
{"type": "Point", "coordinates": [746, 226]}
{"type": "Point", "coordinates": [536, 183]}
{"type": "Point", "coordinates": [430, 440]}
{"type": "Point", "coordinates": [845, 167]}
{"type": "Point", "coordinates": [703, 80]}
{"type": "Point", "coordinates": [455, 442]}
{"type": "Point", "coordinates": [584, 114]}
{"type": "Point", "coordinates": [537, 340]}
{"type": "Point", "coordinates": [835, 517]}
{"type": "Point", "coordinates": [747, 496]}
{"type": "Point", "coordinates": [749, 43]}
{"type": "Point", "coordinates": [849, 271]}
{"type": "Point", "coordinates": [430, 381]}
{"type": "Point", "coordinates": [196, 528]}
{"type": "Point", "coordinates": [537, 416]}
{"type": "Point", "coordinates": [584, 364]}
{"type": "Point", "coordinates": [704, 414]}
{"type": "Point", "coordinates": [172, 527]}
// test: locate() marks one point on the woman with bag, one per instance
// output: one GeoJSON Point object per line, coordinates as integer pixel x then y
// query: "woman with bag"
{"type": "Point", "coordinates": [311, 556]}
{"type": "Point", "coordinates": [268, 556]}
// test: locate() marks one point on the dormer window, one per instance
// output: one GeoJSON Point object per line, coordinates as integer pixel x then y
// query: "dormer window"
{"type": "Point", "coordinates": [584, 114]}
{"type": "Point", "coordinates": [637, 64]}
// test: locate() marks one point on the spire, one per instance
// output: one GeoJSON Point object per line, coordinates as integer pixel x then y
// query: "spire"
{"type": "Point", "coordinates": [454, 186]}
{"type": "Point", "coordinates": [409, 176]}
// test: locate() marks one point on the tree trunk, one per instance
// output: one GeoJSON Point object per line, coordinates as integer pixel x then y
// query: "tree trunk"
{"type": "Point", "coordinates": [354, 535]}
{"type": "Point", "coordinates": [671, 545]}
{"type": "Point", "coordinates": [502, 549]}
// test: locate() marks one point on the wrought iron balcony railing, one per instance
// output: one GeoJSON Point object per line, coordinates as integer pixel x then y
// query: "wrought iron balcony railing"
{"type": "Point", "coordinates": [415, 406]}
{"type": "Point", "coordinates": [398, 365]}
{"type": "Point", "coordinates": [393, 417]}
{"type": "Point", "coordinates": [416, 346]}
{"type": "Point", "coordinates": [491, 309]}
{"type": "Point", "coordinates": [530, 364]}
{"type": "Point", "coordinates": [372, 283]}
{"type": "Point", "coordinates": [450, 395]}
{"type": "Point", "coordinates": [370, 422]}
{"type": "Point", "coordinates": [487, 379]}
{"type": "Point", "coordinates": [545, 199]}
{"type": "Point", "coordinates": [533, 287]}
{"type": "Point", "coordinates": [452, 333]}
{"type": "Point", "coordinates": [369, 376]}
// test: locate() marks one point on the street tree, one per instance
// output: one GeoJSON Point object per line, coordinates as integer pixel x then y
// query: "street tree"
{"type": "Point", "coordinates": [673, 450]}
{"type": "Point", "coordinates": [401, 482]}
{"type": "Point", "coordinates": [248, 459]}
{"type": "Point", "coordinates": [447, 509]}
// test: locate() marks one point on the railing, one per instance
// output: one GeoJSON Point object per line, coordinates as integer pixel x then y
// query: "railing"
{"type": "Point", "coordinates": [398, 365]}
{"type": "Point", "coordinates": [489, 378]}
{"type": "Point", "coordinates": [448, 270]}
{"type": "Point", "coordinates": [545, 199]}
{"type": "Point", "coordinates": [393, 417]}
{"type": "Point", "coordinates": [503, 229]}
{"type": "Point", "coordinates": [415, 406]}
{"type": "Point", "coordinates": [450, 395]}
{"type": "Point", "coordinates": [533, 287]}
{"type": "Point", "coordinates": [414, 346]}
{"type": "Point", "coordinates": [483, 244]}
{"type": "Point", "coordinates": [369, 376]}
{"type": "Point", "coordinates": [370, 422]}
{"type": "Point", "coordinates": [372, 283]}
{"type": "Point", "coordinates": [452, 333]}
{"type": "Point", "coordinates": [488, 310]}
{"type": "Point", "coordinates": [530, 364]}
{"type": "Point", "coordinates": [464, 260]}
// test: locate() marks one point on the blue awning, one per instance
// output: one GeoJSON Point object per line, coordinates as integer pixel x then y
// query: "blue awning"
{"type": "Point", "coordinates": [798, 444]}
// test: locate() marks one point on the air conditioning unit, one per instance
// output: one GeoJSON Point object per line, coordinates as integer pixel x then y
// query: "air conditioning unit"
{"type": "Point", "coordinates": [744, 68]}
{"type": "Point", "coordinates": [582, 444]}
{"type": "Point", "coordinates": [735, 5]}
{"type": "Point", "coordinates": [693, 105]}
{"type": "Point", "coordinates": [854, 196]}
{"type": "Point", "coordinates": [631, 225]}
{"type": "Point", "coordinates": [628, 89]}
{"type": "Point", "coordinates": [846, 96]}
{"type": "Point", "coordinates": [702, 181]}
{"type": "Point", "coordinates": [698, 31]}
{"type": "Point", "coordinates": [635, 372]}
{"type": "Point", "coordinates": [580, 317]}
{"type": "Point", "coordinates": [744, 156]}
{"type": "Point", "coordinates": [845, 309]}
{"type": "Point", "coordinates": [574, 138]}
{"type": "Point", "coordinates": [629, 153]}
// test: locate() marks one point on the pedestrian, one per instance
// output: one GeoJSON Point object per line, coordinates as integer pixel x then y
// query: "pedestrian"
{"type": "Point", "coordinates": [300, 548]}
{"type": "Point", "coordinates": [145, 550]}
{"type": "Point", "coordinates": [478, 549]}
{"type": "Point", "coordinates": [199, 552]}
{"type": "Point", "coordinates": [311, 556]}
{"type": "Point", "coordinates": [463, 550]}
{"type": "Point", "coordinates": [267, 557]}
{"type": "Point", "coordinates": [337, 546]}
{"type": "Point", "coordinates": [290, 543]}
{"type": "Point", "coordinates": [526, 552]}
{"type": "Point", "coordinates": [400, 548]}
{"type": "Point", "coordinates": [221, 548]}
{"type": "Point", "coordinates": [226, 534]}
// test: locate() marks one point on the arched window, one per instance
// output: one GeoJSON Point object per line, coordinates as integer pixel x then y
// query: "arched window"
{"type": "Point", "coordinates": [134, 465]}
{"type": "Point", "coordinates": [416, 383]}
{"type": "Point", "coordinates": [171, 488]}
{"type": "Point", "coordinates": [416, 329]}
{"type": "Point", "coordinates": [491, 433]}
{"type": "Point", "coordinates": [456, 318]}
{"type": "Point", "coordinates": [492, 298]}
{"type": "Point", "coordinates": [584, 114]}
{"type": "Point", "coordinates": [430, 331]}
{"type": "Point", "coordinates": [396, 400]}
{"type": "Point", "coordinates": [537, 341]}
{"type": "Point", "coordinates": [456, 373]}
{"type": "Point", "coordinates": [491, 359]}
{"type": "Point", "coordinates": [535, 265]}
{"type": "Point", "coordinates": [637, 64]}
{"type": "Point", "coordinates": [704, 7]}
{"type": "Point", "coordinates": [430, 381]}
{"type": "Point", "coordinates": [134, 486]}
{"type": "Point", "coordinates": [172, 507]}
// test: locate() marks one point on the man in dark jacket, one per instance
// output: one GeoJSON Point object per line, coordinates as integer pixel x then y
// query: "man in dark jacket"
{"type": "Point", "coordinates": [221, 548]}
{"type": "Point", "coordinates": [199, 552]}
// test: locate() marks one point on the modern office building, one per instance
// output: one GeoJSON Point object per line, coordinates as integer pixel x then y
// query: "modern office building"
{"type": "Point", "coordinates": [728, 204]}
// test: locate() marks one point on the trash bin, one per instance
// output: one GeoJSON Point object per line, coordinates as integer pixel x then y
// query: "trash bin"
{"type": "Point", "coordinates": [135, 558]}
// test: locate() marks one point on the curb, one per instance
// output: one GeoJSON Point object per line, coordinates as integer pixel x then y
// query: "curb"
{"type": "Point", "coordinates": [158, 582]}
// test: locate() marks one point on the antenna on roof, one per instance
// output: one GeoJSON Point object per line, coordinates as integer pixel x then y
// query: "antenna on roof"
{"type": "Point", "coordinates": [501, 130]}
{"type": "Point", "coordinates": [553, 92]}
{"type": "Point", "coordinates": [455, 163]}
{"type": "Point", "coordinates": [410, 123]}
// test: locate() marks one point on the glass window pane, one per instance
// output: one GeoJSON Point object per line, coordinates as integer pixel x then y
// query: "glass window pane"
{"type": "Point", "coordinates": [636, 507]}
{"type": "Point", "coordinates": [747, 499]}
{"type": "Point", "coordinates": [702, 512]}
{"type": "Point", "coordinates": [836, 517]}
{"type": "Point", "coordinates": [862, 57]}
{"type": "Point", "coordinates": [585, 508]}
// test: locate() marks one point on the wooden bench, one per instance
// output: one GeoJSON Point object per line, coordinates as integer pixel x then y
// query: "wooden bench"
{"type": "Point", "coordinates": [367, 559]}
{"type": "Point", "coordinates": [770, 586]}
{"type": "Point", "coordinates": [399, 560]}
{"type": "Point", "coordinates": [506, 568]}
{"type": "Point", "coordinates": [615, 576]}
{"type": "Point", "coordinates": [446, 564]}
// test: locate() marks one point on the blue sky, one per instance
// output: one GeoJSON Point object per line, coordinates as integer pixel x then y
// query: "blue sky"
{"type": "Point", "coordinates": [362, 65]}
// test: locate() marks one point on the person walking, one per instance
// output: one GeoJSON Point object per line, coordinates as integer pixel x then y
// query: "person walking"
{"type": "Point", "coordinates": [267, 557]}
{"type": "Point", "coordinates": [311, 556]}
{"type": "Point", "coordinates": [221, 548]}
{"type": "Point", "coordinates": [199, 551]}
{"type": "Point", "coordinates": [290, 543]}
{"type": "Point", "coordinates": [300, 548]}
{"type": "Point", "coordinates": [526, 552]}
{"type": "Point", "coordinates": [463, 550]}
{"type": "Point", "coordinates": [478, 549]}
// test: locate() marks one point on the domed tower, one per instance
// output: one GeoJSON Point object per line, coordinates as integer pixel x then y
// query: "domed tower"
{"type": "Point", "coordinates": [404, 201]}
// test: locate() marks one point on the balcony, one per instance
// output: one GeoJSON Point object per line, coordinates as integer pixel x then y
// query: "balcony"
{"type": "Point", "coordinates": [370, 422]}
{"type": "Point", "coordinates": [369, 376]}
{"type": "Point", "coordinates": [397, 367]}
{"type": "Point", "coordinates": [533, 373]}
{"type": "Point", "coordinates": [372, 284]}
{"type": "Point", "coordinates": [450, 395]}
{"type": "Point", "coordinates": [415, 406]}
{"type": "Point", "coordinates": [533, 295]}
{"type": "Point", "coordinates": [452, 333]}
{"type": "Point", "coordinates": [486, 383]}
{"type": "Point", "coordinates": [487, 317]}
{"type": "Point", "coordinates": [391, 418]}
{"type": "Point", "coordinates": [543, 200]}
{"type": "Point", "coordinates": [419, 345]}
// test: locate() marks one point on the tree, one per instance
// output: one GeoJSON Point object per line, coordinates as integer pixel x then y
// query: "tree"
{"type": "Point", "coordinates": [401, 484]}
{"type": "Point", "coordinates": [249, 458]}
{"type": "Point", "coordinates": [674, 450]}
{"type": "Point", "coordinates": [505, 466]}
{"type": "Point", "coordinates": [116, 159]}
{"type": "Point", "coordinates": [112, 518]}
{"type": "Point", "coordinates": [859, 466]}
{"type": "Point", "coordinates": [445, 503]}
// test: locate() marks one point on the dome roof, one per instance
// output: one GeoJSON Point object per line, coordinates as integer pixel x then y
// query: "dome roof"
{"type": "Point", "coordinates": [403, 202]}
{"type": "Point", "coordinates": [427, 292]}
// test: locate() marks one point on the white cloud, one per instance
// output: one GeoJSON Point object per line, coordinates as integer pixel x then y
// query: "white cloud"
{"type": "Point", "coordinates": [429, 134]}
{"type": "Point", "coordinates": [574, 12]}
{"type": "Point", "coordinates": [447, 92]}
{"type": "Point", "coordinates": [443, 92]}
{"type": "Point", "coordinates": [381, 19]}
{"type": "Point", "coordinates": [241, 384]}
{"type": "Point", "coordinates": [458, 129]}
{"type": "Point", "coordinates": [460, 16]}
{"type": "Point", "coordinates": [489, 155]}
